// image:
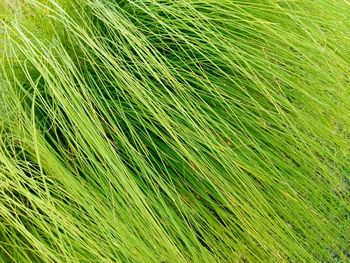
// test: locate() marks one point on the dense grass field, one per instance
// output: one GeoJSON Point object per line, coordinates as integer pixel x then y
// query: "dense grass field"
{"type": "Point", "coordinates": [175, 131]}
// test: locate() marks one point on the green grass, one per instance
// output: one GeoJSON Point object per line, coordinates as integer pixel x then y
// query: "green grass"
{"type": "Point", "coordinates": [175, 131]}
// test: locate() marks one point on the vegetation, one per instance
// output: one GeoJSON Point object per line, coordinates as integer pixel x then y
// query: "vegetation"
{"type": "Point", "coordinates": [175, 131]}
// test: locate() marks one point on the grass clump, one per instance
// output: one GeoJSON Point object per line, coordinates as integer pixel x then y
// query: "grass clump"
{"type": "Point", "coordinates": [175, 131]}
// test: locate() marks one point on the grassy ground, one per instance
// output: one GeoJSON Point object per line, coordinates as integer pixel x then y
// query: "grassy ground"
{"type": "Point", "coordinates": [175, 131]}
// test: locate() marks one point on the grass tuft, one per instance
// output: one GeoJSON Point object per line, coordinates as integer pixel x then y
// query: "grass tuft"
{"type": "Point", "coordinates": [174, 131]}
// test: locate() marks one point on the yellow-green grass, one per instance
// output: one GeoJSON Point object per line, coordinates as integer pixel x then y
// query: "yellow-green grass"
{"type": "Point", "coordinates": [175, 131]}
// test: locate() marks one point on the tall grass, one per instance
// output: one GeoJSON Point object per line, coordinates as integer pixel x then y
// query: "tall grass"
{"type": "Point", "coordinates": [175, 131]}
